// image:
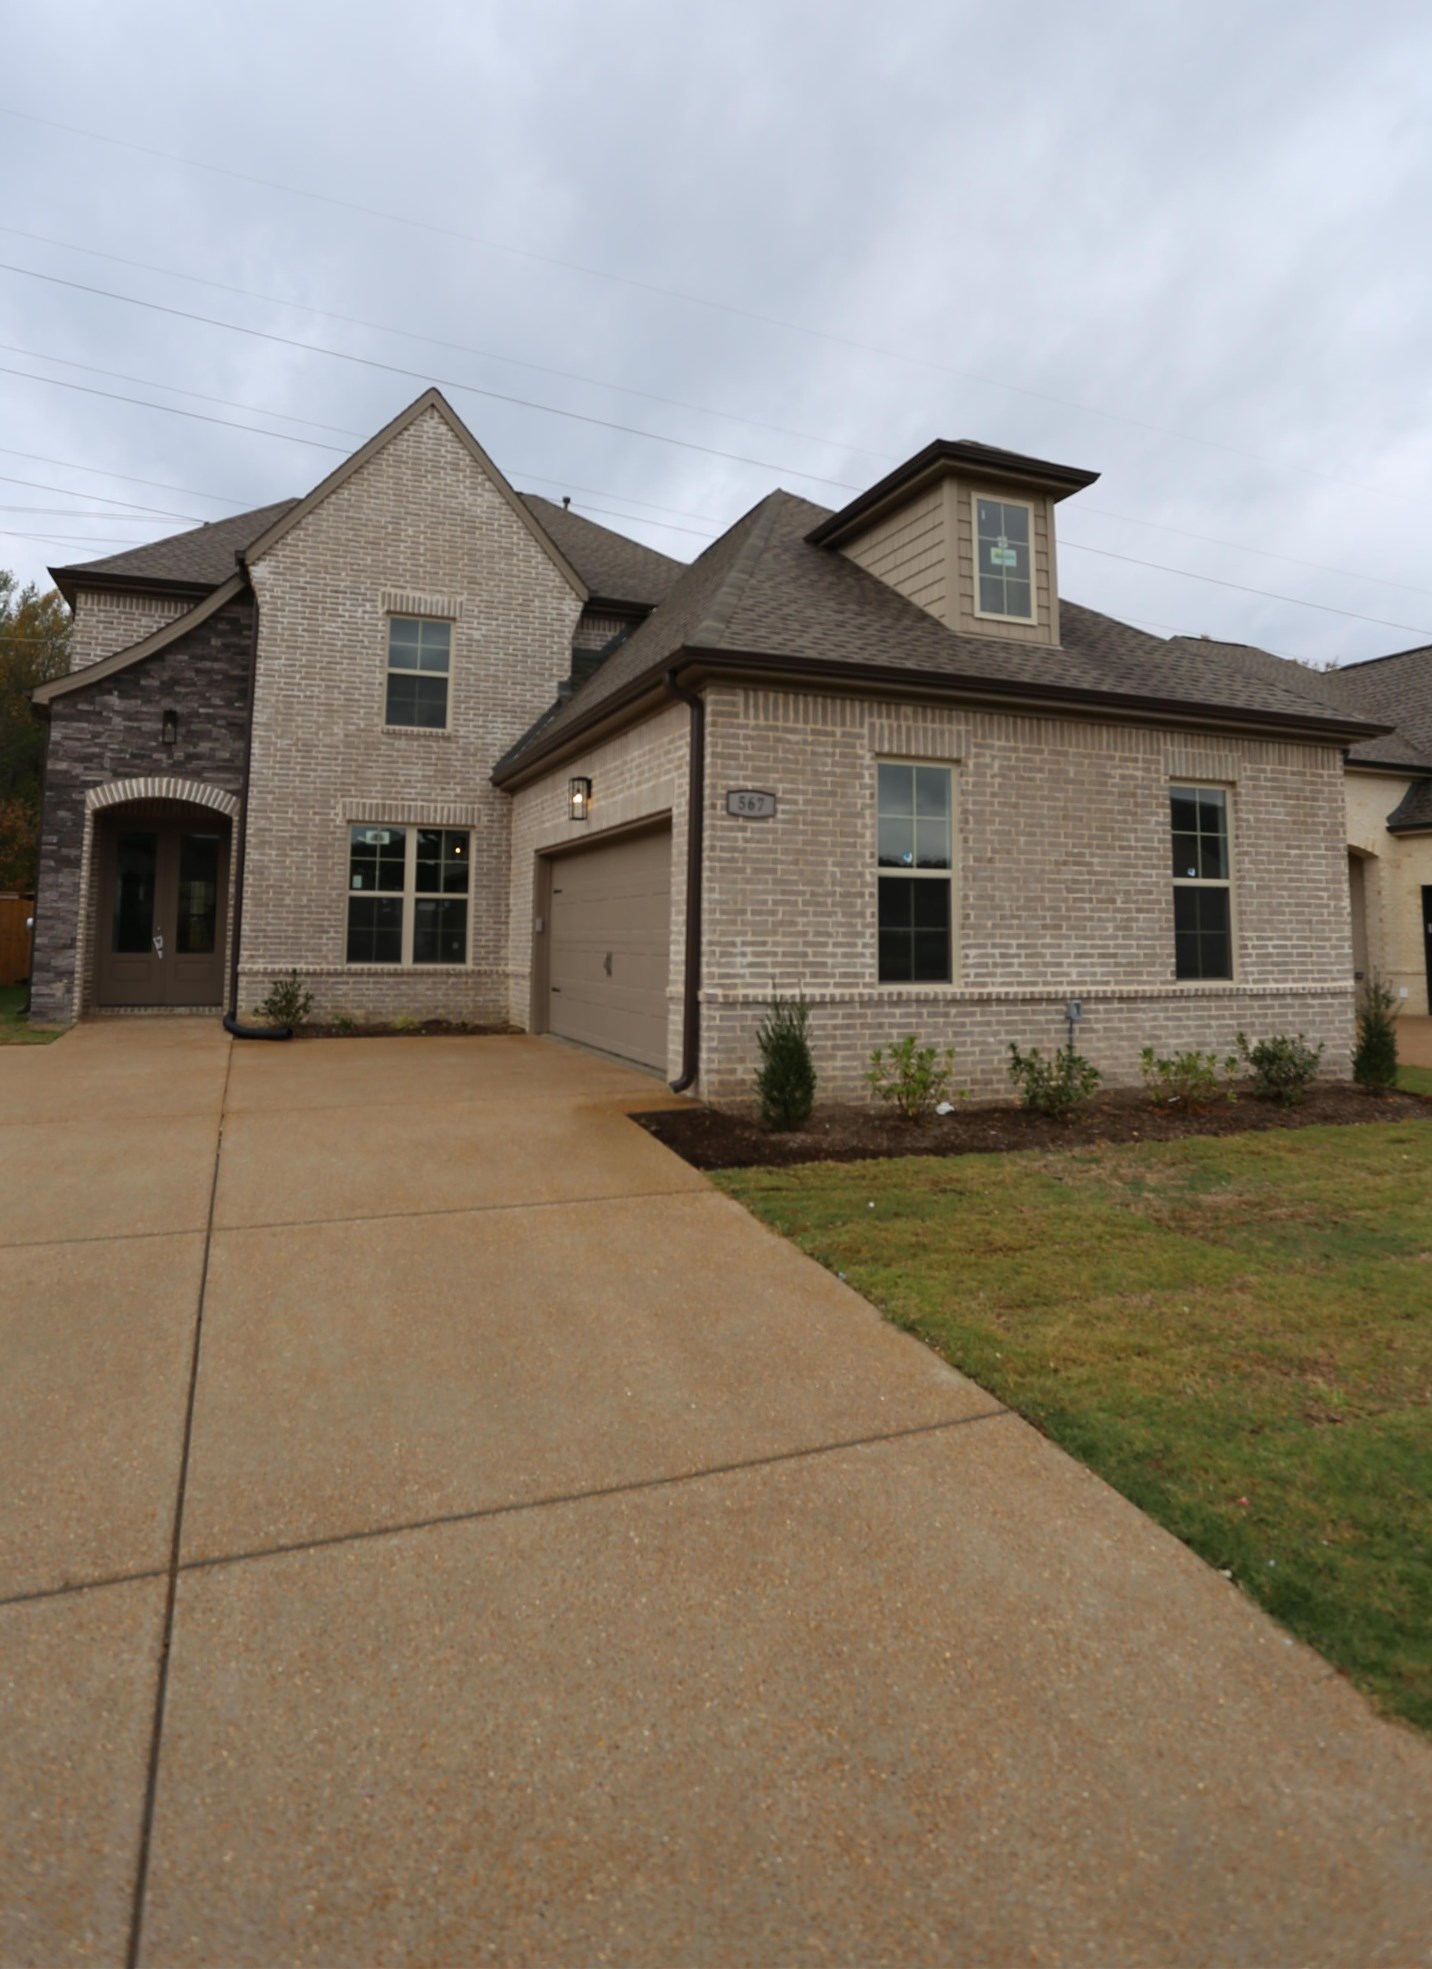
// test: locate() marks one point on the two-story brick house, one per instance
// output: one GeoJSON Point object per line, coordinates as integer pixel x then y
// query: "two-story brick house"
{"type": "Point", "coordinates": [446, 750]}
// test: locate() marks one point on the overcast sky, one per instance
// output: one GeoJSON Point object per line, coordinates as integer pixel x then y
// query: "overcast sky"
{"type": "Point", "coordinates": [1184, 245]}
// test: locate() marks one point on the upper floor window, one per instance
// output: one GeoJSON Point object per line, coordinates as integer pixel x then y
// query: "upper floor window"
{"type": "Point", "coordinates": [419, 659]}
{"type": "Point", "coordinates": [913, 852]}
{"type": "Point", "coordinates": [1004, 567]}
{"type": "Point", "coordinates": [1202, 883]}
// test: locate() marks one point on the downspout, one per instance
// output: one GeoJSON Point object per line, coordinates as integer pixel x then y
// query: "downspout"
{"type": "Point", "coordinates": [695, 842]}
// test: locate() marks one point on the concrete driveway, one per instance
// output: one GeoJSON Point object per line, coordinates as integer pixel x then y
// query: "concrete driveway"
{"type": "Point", "coordinates": [436, 1527]}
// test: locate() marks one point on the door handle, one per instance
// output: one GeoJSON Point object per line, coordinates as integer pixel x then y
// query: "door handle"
{"type": "Point", "coordinates": [607, 964]}
{"type": "Point", "coordinates": [159, 946]}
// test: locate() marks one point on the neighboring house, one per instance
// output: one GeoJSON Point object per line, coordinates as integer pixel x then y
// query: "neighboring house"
{"type": "Point", "coordinates": [449, 751]}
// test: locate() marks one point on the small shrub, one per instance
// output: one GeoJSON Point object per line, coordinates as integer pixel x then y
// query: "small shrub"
{"type": "Point", "coordinates": [786, 1081]}
{"type": "Point", "coordinates": [1374, 1064]}
{"type": "Point", "coordinates": [1282, 1068]}
{"type": "Point", "coordinates": [1058, 1086]}
{"type": "Point", "coordinates": [403, 1022]}
{"type": "Point", "coordinates": [287, 1004]}
{"type": "Point", "coordinates": [1192, 1081]}
{"type": "Point", "coordinates": [914, 1077]}
{"type": "Point", "coordinates": [344, 1023]}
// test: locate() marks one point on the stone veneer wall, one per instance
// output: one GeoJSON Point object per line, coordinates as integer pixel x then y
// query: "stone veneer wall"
{"type": "Point", "coordinates": [1062, 888]}
{"type": "Point", "coordinates": [106, 620]}
{"type": "Point", "coordinates": [110, 733]}
{"type": "Point", "coordinates": [420, 528]}
{"type": "Point", "coordinates": [640, 775]}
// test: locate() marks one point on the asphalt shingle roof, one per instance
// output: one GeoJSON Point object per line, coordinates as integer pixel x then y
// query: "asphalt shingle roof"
{"type": "Point", "coordinates": [614, 568]}
{"type": "Point", "coordinates": [200, 558]}
{"type": "Point", "coordinates": [763, 589]}
{"type": "Point", "coordinates": [1391, 690]}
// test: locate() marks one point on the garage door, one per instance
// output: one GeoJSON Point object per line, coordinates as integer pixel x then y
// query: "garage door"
{"type": "Point", "coordinates": [609, 949]}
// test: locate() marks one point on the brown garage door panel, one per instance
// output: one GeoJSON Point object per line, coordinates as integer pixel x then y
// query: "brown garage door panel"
{"type": "Point", "coordinates": [609, 957]}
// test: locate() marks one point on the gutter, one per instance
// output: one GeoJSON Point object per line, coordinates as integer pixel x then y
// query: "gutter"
{"type": "Point", "coordinates": [695, 845]}
{"type": "Point", "coordinates": [805, 673]}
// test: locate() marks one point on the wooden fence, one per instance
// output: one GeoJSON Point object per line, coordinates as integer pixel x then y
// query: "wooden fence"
{"type": "Point", "coordinates": [15, 938]}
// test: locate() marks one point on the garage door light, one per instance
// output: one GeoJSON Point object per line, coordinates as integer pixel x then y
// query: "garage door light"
{"type": "Point", "coordinates": [579, 798]}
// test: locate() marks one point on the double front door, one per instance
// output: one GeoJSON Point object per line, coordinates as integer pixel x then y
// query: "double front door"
{"type": "Point", "coordinates": [163, 893]}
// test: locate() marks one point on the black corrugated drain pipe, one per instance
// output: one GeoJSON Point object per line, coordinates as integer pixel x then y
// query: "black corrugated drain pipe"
{"type": "Point", "coordinates": [695, 831]}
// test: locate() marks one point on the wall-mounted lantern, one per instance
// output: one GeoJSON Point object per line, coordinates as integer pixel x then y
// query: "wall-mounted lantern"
{"type": "Point", "coordinates": [169, 729]}
{"type": "Point", "coordinates": [579, 798]}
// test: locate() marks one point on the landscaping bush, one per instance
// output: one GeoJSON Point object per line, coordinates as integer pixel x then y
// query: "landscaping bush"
{"type": "Point", "coordinates": [1058, 1086]}
{"type": "Point", "coordinates": [1283, 1068]}
{"type": "Point", "coordinates": [914, 1077]}
{"type": "Point", "coordinates": [1374, 1064]}
{"type": "Point", "coordinates": [1192, 1081]}
{"type": "Point", "coordinates": [287, 1004]}
{"type": "Point", "coordinates": [785, 1084]}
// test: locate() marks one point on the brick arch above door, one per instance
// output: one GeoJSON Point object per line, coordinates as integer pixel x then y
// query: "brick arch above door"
{"type": "Point", "coordinates": [127, 792]}
{"type": "Point", "coordinates": [119, 792]}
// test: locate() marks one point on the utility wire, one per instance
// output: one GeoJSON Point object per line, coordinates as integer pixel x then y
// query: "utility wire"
{"type": "Point", "coordinates": [1352, 615]}
{"type": "Point", "coordinates": [153, 512]}
{"type": "Point", "coordinates": [1296, 601]}
{"type": "Point", "coordinates": [441, 342]}
{"type": "Point", "coordinates": [422, 376]}
{"type": "Point", "coordinates": [676, 294]}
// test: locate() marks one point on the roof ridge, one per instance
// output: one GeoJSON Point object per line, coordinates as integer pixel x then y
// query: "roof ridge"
{"type": "Point", "coordinates": [710, 632]}
{"type": "Point", "coordinates": [1367, 662]}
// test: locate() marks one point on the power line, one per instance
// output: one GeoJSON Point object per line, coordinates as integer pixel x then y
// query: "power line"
{"type": "Point", "coordinates": [1261, 553]}
{"type": "Point", "coordinates": [1188, 574]}
{"type": "Point", "coordinates": [70, 513]}
{"type": "Point", "coordinates": [442, 342]}
{"type": "Point", "coordinates": [175, 389]}
{"type": "Point", "coordinates": [103, 471]}
{"type": "Point", "coordinates": [1296, 601]}
{"type": "Point", "coordinates": [423, 377]}
{"type": "Point", "coordinates": [154, 512]}
{"type": "Point", "coordinates": [693, 300]}
{"type": "Point", "coordinates": [170, 409]}
{"type": "Point", "coordinates": [229, 499]}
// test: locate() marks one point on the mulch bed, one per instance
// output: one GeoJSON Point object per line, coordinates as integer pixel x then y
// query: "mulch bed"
{"type": "Point", "coordinates": [709, 1138]}
{"type": "Point", "coordinates": [424, 1029]}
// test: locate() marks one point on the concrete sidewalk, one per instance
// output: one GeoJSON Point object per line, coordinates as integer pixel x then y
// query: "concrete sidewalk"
{"type": "Point", "coordinates": [437, 1527]}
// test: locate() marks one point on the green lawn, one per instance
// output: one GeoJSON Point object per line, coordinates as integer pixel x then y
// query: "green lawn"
{"type": "Point", "coordinates": [15, 1028]}
{"type": "Point", "coordinates": [1235, 1332]}
{"type": "Point", "coordinates": [1417, 1080]}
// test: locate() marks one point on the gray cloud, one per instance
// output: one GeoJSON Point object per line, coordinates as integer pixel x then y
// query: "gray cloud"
{"type": "Point", "coordinates": [1182, 246]}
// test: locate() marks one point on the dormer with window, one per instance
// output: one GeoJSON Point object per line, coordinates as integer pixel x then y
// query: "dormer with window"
{"type": "Point", "coordinates": [967, 533]}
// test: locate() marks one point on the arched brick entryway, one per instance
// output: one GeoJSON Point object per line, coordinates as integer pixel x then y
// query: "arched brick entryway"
{"type": "Point", "coordinates": [158, 879]}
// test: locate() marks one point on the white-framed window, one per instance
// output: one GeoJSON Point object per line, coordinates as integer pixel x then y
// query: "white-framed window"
{"type": "Point", "coordinates": [1004, 558]}
{"type": "Point", "coordinates": [408, 894]}
{"type": "Point", "coordinates": [419, 667]}
{"type": "Point", "coordinates": [1202, 882]}
{"type": "Point", "coordinates": [914, 857]}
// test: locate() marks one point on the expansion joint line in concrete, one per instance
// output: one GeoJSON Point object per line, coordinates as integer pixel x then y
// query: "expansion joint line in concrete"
{"type": "Point", "coordinates": [151, 1784]}
{"type": "Point", "coordinates": [598, 1493]}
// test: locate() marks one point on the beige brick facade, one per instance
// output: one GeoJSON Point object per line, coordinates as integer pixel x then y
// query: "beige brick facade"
{"type": "Point", "coordinates": [1061, 885]}
{"type": "Point", "coordinates": [419, 528]}
{"type": "Point", "coordinates": [106, 620]}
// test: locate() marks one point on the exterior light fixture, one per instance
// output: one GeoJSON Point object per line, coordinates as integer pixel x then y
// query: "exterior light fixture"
{"type": "Point", "coordinates": [169, 730]}
{"type": "Point", "coordinates": [579, 798]}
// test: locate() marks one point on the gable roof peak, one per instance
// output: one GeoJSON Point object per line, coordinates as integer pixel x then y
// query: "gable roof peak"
{"type": "Point", "coordinates": [432, 399]}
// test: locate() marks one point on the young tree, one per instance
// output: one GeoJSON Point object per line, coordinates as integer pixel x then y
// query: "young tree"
{"type": "Point", "coordinates": [34, 647]}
